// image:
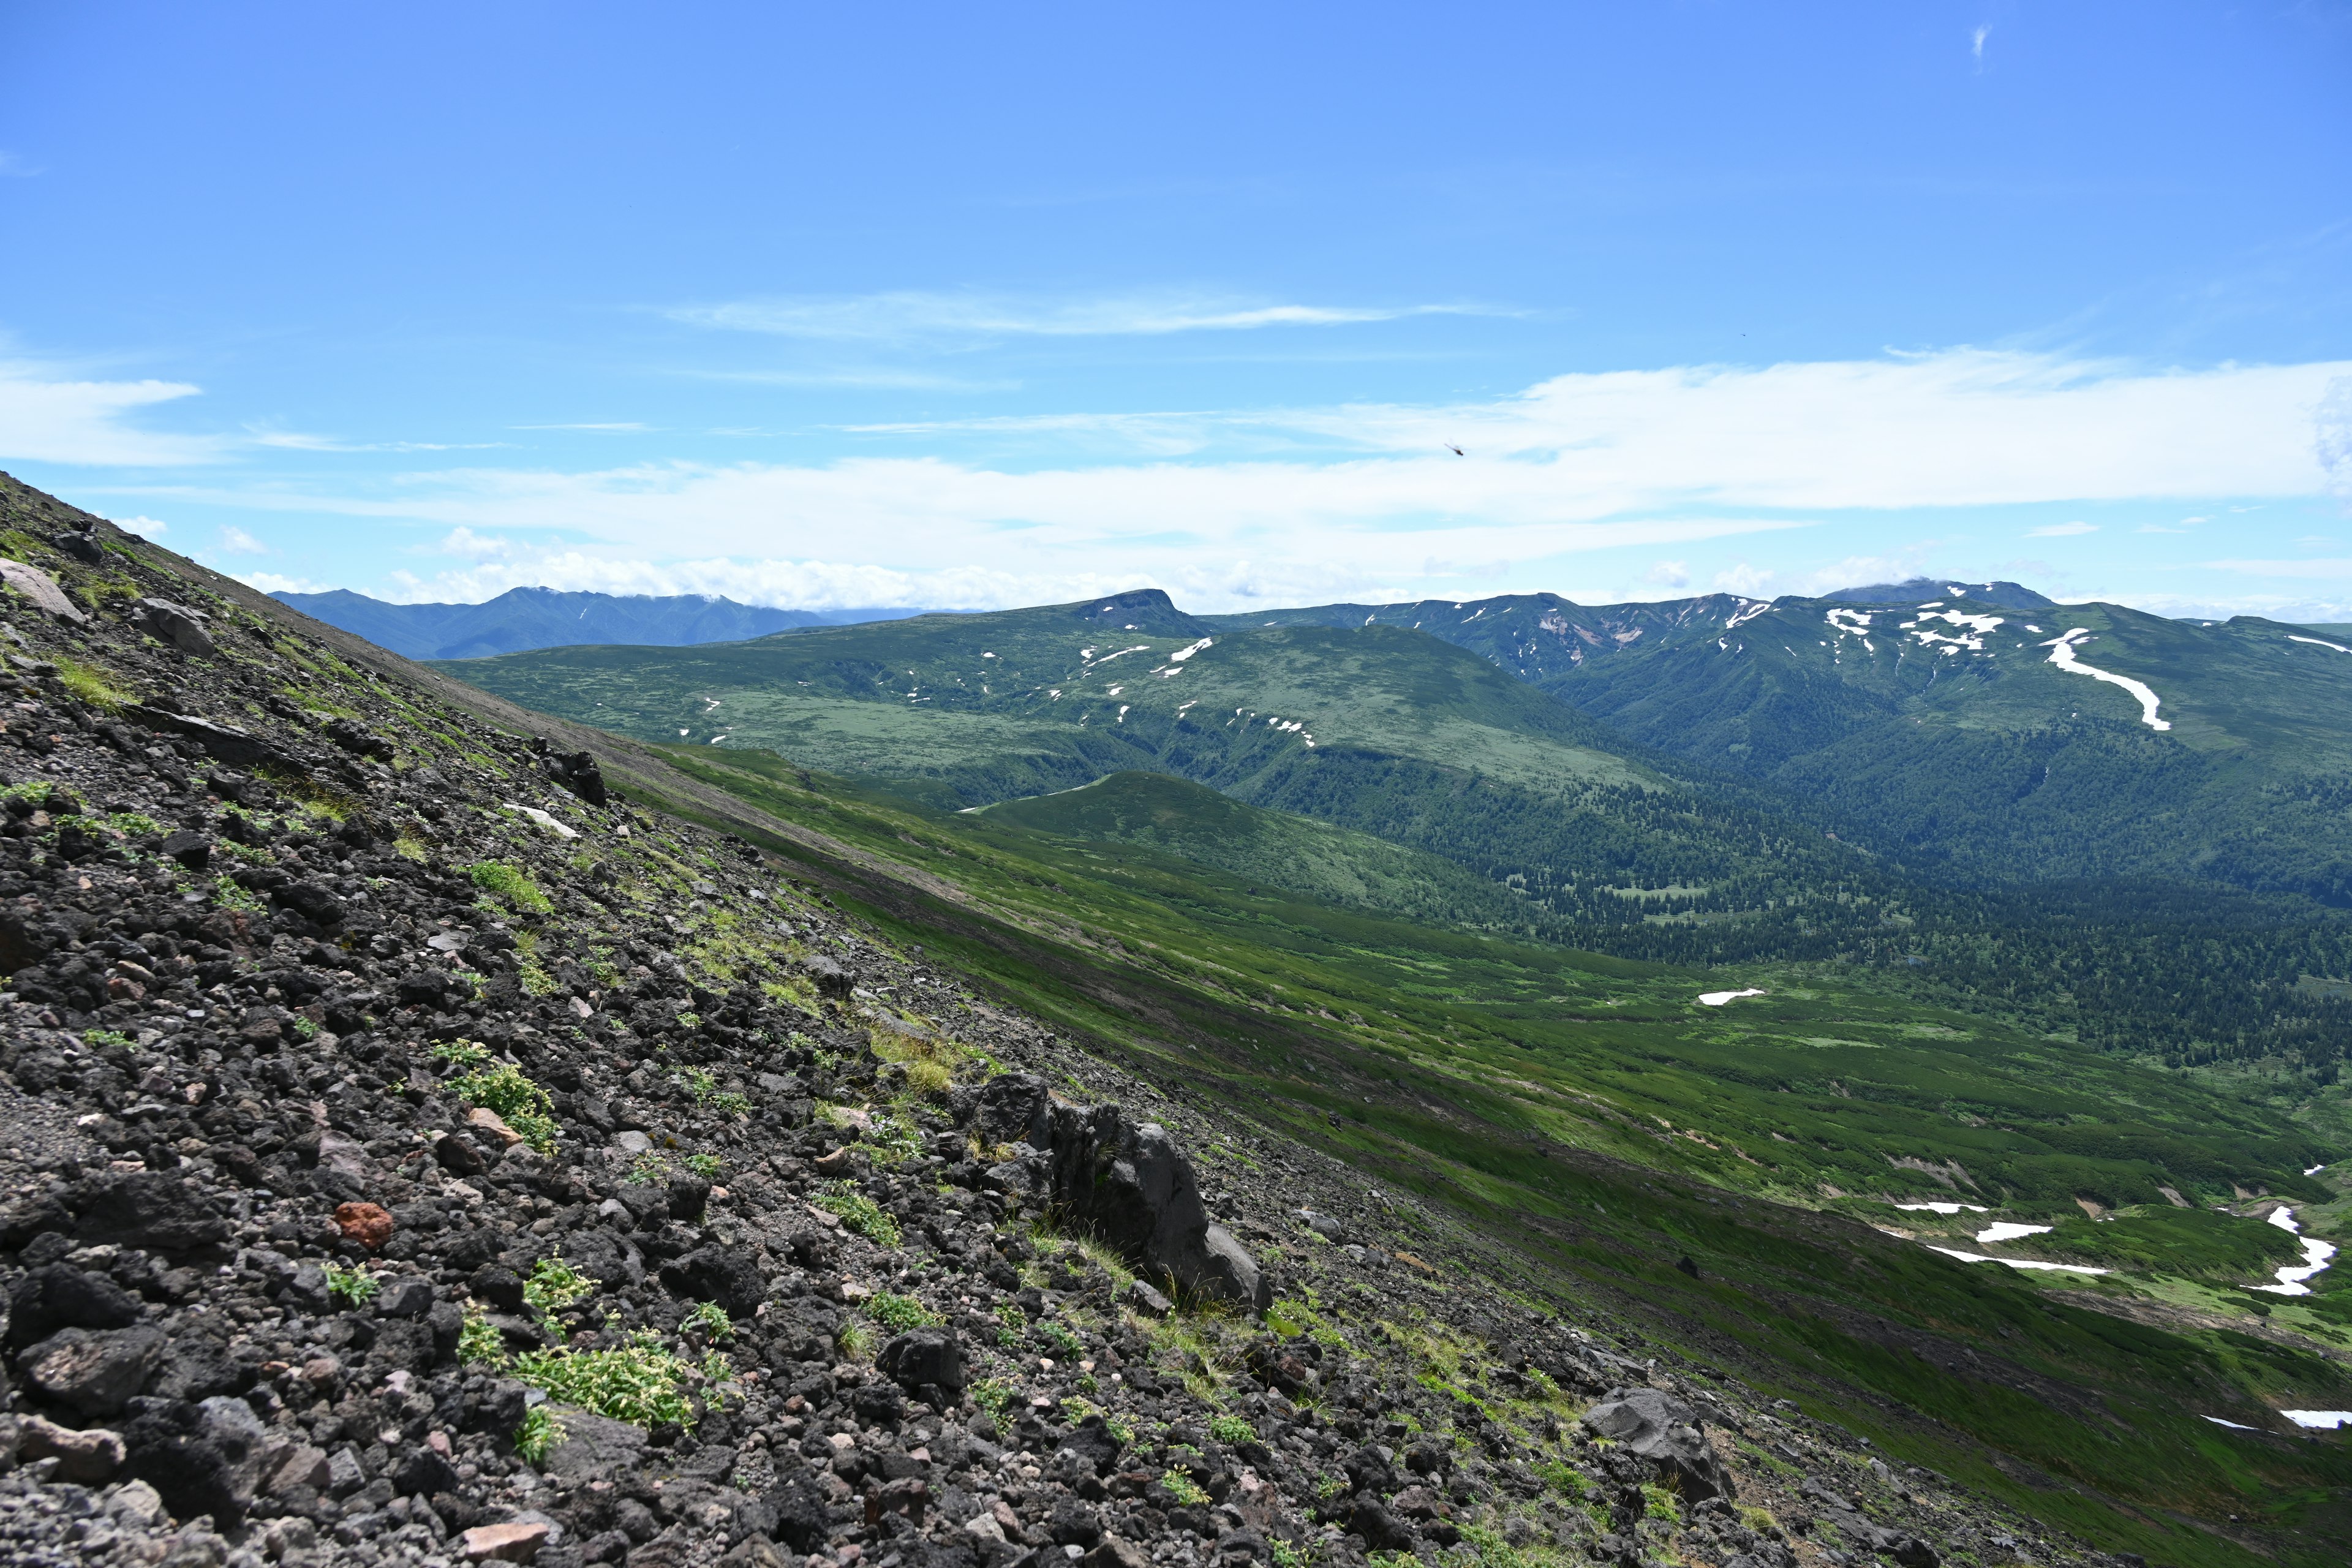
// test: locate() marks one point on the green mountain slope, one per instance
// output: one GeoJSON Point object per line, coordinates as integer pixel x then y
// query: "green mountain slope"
{"type": "Point", "coordinates": [1276, 849]}
{"type": "Point", "coordinates": [1956, 729]}
{"type": "Point", "coordinates": [1651, 1153]}
{"type": "Point", "coordinates": [1382, 730]}
{"type": "Point", "coordinates": [1597, 841]}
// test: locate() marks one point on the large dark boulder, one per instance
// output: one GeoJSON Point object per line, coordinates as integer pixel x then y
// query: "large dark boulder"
{"type": "Point", "coordinates": [60, 1296]}
{"type": "Point", "coordinates": [801, 1329]}
{"type": "Point", "coordinates": [1130, 1185]}
{"type": "Point", "coordinates": [1014, 1108]}
{"type": "Point", "coordinates": [147, 1209]}
{"type": "Point", "coordinates": [169, 1447]}
{"type": "Point", "coordinates": [831, 979]}
{"type": "Point", "coordinates": [923, 1356]}
{"type": "Point", "coordinates": [725, 1275]}
{"type": "Point", "coordinates": [802, 1521]}
{"type": "Point", "coordinates": [1655, 1425]}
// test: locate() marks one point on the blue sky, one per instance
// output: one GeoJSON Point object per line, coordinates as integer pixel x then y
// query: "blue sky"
{"type": "Point", "coordinates": [954, 306]}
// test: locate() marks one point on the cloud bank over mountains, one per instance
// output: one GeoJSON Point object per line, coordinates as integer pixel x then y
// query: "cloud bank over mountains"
{"type": "Point", "coordinates": [1231, 507]}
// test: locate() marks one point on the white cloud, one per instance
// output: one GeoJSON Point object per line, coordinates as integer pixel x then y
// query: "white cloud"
{"type": "Point", "coordinates": [267, 434]}
{"type": "Point", "coordinates": [1977, 43]}
{"type": "Point", "coordinates": [271, 583]}
{"type": "Point", "coordinates": [1263, 502]}
{"type": "Point", "coordinates": [616, 426]}
{"type": "Point", "coordinates": [237, 541]}
{"type": "Point", "coordinates": [915, 316]}
{"type": "Point", "coordinates": [145, 527]}
{"type": "Point", "coordinates": [2062, 531]}
{"type": "Point", "coordinates": [15, 167]}
{"type": "Point", "coordinates": [1756, 582]}
{"type": "Point", "coordinates": [1669, 575]}
{"type": "Point", "coordinates": [46, 418]}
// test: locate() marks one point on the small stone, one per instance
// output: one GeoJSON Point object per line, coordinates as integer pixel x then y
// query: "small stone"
{"type": "Point", "coordinates": [137, 1504]}
{"type": "Point", "coordinates": [1146, 1300]}
{"type": "Point", "coordinates": [633, 1142]}
{"type": "Point", "coordinates": [491, 1122]}
{"type": "Point", "coordinates": [370, 1225]}
{"type": "Point", "coordinates": [504, 1542]}
{"type": "Point", "coordinates": [89, 1458]}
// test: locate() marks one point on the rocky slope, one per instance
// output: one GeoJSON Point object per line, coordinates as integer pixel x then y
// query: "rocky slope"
{"type": "Point", "coordinates": [410, 1154]}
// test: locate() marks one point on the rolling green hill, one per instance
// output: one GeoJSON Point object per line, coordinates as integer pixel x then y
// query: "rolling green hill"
{"type": "Point", "coordinates": [1194, 823]}
{"type": "Point", "coordinates": [1724, 1176]}
{"type": "Point", "coordinates": [1382, 730]}
{"type": "Point", "coordinates": [1578, 835]}
{"type": "Point", "coordinates": [1953, 731]}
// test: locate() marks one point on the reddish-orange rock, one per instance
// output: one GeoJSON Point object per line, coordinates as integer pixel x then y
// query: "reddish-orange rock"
{"type": "Point", "coordinates": [366, 1224]}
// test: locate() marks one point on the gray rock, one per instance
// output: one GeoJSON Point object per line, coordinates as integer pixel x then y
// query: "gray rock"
{"type": "Point", "coordinates": [1146, 1300]}
{"type": "Point", "coordinates": [238, 1437]}
{"type": "Point", "coordinates": [1666, 1431]}
{"type": "Point", "coordinates": [42, 589]}
{"type": "Point", "coordinates": [292, 1465]}
{"type": "Point", "coordinates": [1015, 1108]}
{"type": "Point", "coordinates": [308, 1288]}
{"type": "Point", "coordinates": [96, 1373]}
{"type": "Point", "coordinates": [1132, 1187]}
{"type": "Point", "coordinates": [920, 1356]}
{"type": "Point", "coordinates": [593, 1449]}
{"type": "Point", "coordinates": [344, 1473]}
{"type": "Point", "coordinates": [405, 1297]}
{"type": "Point", "coordinates": [176, 625]}
{"type": "Point", "coordinates": [831, 980]}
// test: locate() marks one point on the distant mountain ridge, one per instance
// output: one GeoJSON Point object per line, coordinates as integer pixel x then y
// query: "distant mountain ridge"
{"type": "Point", "coordinates": [1999, 595]}
{"type": "Point", "coordinates": [524, 619]}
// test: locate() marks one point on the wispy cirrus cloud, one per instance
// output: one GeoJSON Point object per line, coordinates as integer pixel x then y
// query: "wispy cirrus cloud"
{"type": "Point", "coordinates": [48, 415]}
{"type": "Point", "coordinates": [273, 435]}
{"type": "Point", "coordinates": [915, 316]}
{"type": "Point", "coordinates": [2062, 531]}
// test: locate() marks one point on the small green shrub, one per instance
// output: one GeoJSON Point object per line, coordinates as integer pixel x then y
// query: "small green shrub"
{"type": "Point", "coordinates": [860, 1213]}
{"type": "Point", "coordinates": [1059, 1338]}
{"type": "Point", "coordinates": [103, 1037]}
{"type": "Point", "coordinates": [898, 1313]}
{"type": "Point", "coordinates": [461, 1053]}
{"type": "Point", "coordinates": [638, 1384]}
{"type": "Point", "coordinates": [707, 1166]}
{"type": "Point", "coordinates": [520, 1103]}
{"type": "Point", "coordinates": [539, 1432]}
{"type": "Point", "coordinates": [854, 1342]}
{"type": "Point", "coordinates": [709, 1320]}
{"type": "Point", "coordinates": [479, 1340]}
{"type": "Point", "coordinates": [554, 1285]}
{"type": "Point", "coordinates": [1184, 1489]}
{"type": "Point", "coordinates": [1657, 1502]}
{"type": "Point", "coordinates": [356, 1287]}
{"type": "Point", "coordinates": [510, 884]}
{"type": "Point", "coordinates": [991, 1394]}
{"type": "Point", "coordinates": [228, 895]}
{"type": "Point", "coordinates": [647, 1170]}
{"type": "Point", "coordinates": [1231, 1429]}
